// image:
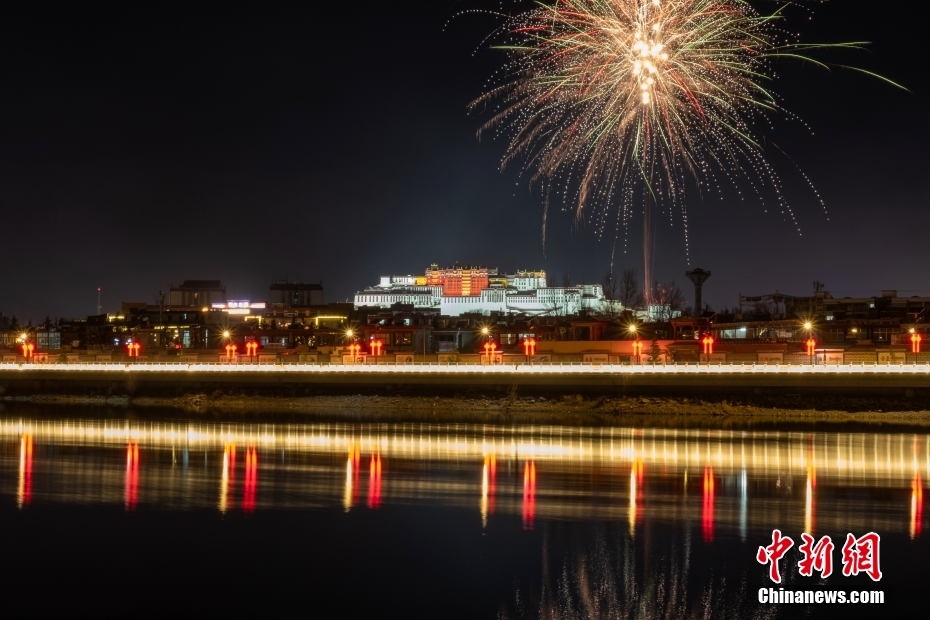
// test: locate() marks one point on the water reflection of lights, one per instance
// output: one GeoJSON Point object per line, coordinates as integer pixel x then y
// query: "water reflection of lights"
{"type": "Point", "coordinates": [917, 506]}
{"type": "Point", "coordinates": [488, 480]}
{"type": "Point", "coordinates": [529, 494]}
{"type": "Point", "coordinates": [131, 497]}
{"type": "Point", "coordinates": [228, 477]}
{"type": "Point", "coordinates": [707, 512]}
{"type": "Point", "coordinates": [24, 488]}
{"type": "Point", "coordinates": [856, 458]}
{"type": "Point", "coordinates": [589, 472]}
{"type": "Point", "coordinates": [352, 466]}
{"type": "Point", "coordinates": [636, 495]}
{"type": "Point", "coordinates": [809, 501]}
{"type": "Point", "coordinates": [250, 482]}
{"type": "Point", "coordinates": [374, 481]}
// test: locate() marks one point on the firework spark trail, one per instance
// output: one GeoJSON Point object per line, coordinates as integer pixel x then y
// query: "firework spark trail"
{"type": "Point", "coordinates": [613, 100]}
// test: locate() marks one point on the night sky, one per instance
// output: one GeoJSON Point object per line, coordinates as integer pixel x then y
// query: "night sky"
{"type": "Point", "coordinates": [148, 144]}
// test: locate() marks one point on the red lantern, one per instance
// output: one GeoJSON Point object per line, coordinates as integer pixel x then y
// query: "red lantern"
{"type": "Point", "coordinates": [708, 342]}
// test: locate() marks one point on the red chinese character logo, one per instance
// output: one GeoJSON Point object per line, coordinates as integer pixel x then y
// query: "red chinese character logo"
{"type": "Point", "coordinates": [862, 556]}
{"type": "Point", "coordinates": [774, 552]}
{"type": "Point", "coordinates": [817, 557]}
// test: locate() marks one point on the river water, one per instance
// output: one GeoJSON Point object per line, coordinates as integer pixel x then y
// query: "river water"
{"type": "Point", "coordinates": [173, 515]}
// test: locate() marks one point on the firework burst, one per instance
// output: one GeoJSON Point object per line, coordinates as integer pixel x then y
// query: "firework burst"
{"type": "Point", "coordinates": [615, 105]}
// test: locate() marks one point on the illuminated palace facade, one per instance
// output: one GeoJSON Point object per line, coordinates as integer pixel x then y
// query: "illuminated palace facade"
{"type": "Point", "coordinates": [458, 290]}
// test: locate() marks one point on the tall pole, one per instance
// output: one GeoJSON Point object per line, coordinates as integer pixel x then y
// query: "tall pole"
{"type": "Point", "coordinates": [698, 277]}
{"type": "Point", "coordinates": [647, 254]}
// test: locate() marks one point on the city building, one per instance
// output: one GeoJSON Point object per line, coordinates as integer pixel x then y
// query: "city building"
{"type": "Point", "coordinates": [284, 294]}
{"type": "Point", "coordinates": [197, 294]}
{"type": "Point", "coordinates": [458, 290]}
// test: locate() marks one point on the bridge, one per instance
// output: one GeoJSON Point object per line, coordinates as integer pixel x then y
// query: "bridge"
{"type": "Point", "coordinates": [902, 380]}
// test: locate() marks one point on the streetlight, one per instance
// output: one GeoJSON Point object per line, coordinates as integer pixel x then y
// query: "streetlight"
{"type": "Point", "coordinates": [915, 342]}
{"type": "Point", "coordinates": [637, 343]}
{"type": "Point", "coordinates": [529, 348]}
{"type": "Point", "coordinates": [811, 343]}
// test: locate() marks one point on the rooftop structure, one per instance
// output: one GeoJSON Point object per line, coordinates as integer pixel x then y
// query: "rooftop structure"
{"type": "Point", "coordinates": [197, 293]}
{"type": "Point", "coordinates": [461, 290]}
{"type": "Point", "coordinates": [286, 294]}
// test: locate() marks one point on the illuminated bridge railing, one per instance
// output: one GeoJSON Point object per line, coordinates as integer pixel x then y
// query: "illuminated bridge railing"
{"type": "Point", "coordinates": [435, 368]}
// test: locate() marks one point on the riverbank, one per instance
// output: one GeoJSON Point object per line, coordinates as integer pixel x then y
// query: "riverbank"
{"type": "Point", "coordinates": [567, 410]}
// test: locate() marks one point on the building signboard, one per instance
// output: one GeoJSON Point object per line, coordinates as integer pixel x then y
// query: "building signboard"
{"type": "Point", "coordinates": [405, 358]}
{"type": "Point", "coordinates": [596, 358]}
{"type": "Point", "coordinates": [889, 356]}
{"type": "Point", "coordinates": [771, 357]}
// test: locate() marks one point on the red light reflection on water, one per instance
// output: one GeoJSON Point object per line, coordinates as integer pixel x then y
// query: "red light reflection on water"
{"type": "Point", "coordinates": [24, 489]}
{"type": "Point", "coordinates": [492, 481]}
{"type": "Point", "coordinates": [529, 494]}
{"type": "Point", "coordinates": [251, 479]}
{"type": "Point", "coordinates": [131, 496]}
{"type": "Point", "coordinates": [917, 506]}
{"type": "Point", "coordinates": [374, 481]}
{"type": "Point", "coordinates": [707, 515]}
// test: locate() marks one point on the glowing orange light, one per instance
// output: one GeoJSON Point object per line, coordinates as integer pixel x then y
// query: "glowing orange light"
{"type": "Point", "coordinates": [915, 343]}
{"type": "Point", "coordinates": [133, 349]}
{"type": "Point", "coordinates": [489, 349]}
{"type": "Point", "coordinates": [529, 346]}
{"type": "Point", "coordinates": [708, 342]}
{"type": "Point", "coordinates": [251, 348]}
{"type": "Point", "coordinates": [637, 347]}
{"type": "Point", "coordinates": [811, 344]}
{"type": "Point", "coordinates": [376, 347]}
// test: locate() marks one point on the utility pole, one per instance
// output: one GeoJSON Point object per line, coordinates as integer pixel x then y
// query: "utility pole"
{"type": "Point", "coordinates": [99, 307]}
